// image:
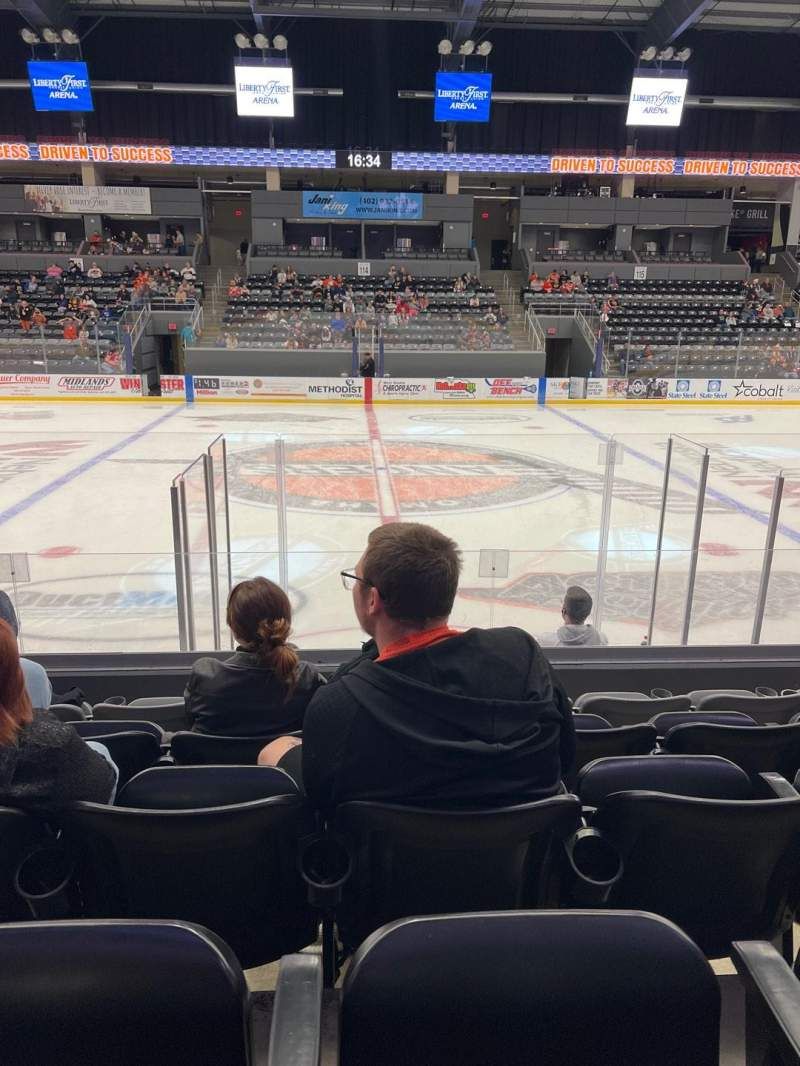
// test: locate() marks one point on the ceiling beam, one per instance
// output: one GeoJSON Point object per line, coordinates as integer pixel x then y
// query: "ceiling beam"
{"type": "Point", "coordinates": [41, 13]}
{"type": "Point", "coordinates": [673, 18]}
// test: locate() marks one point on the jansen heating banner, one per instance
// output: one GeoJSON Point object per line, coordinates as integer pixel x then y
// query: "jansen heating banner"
{"type": "Point", "coordinates": [60, 86]}
{"type": "Point", "coordinates": [363, 205]}
{"type": "Point", "coordinates": [266, 92]}
{"type": "Point", "coordinates": [87, 199]}
{"type": "Point", "coordinates": [462, 97]}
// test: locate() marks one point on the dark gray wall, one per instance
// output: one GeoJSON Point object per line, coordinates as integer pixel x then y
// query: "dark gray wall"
{"type": "Point", "coordinates": [573, 210]}
{"type": "Point", "coordinates": [271, 209]}
{"type": "Point", "coordinates": [324, 265]}
{"type": "Point", "coordinates": [278, 363]}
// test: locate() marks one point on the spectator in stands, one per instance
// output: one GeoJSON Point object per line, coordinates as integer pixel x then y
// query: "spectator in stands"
{"type": "Point", "coordinates": [440, 718]}
{"type": "Point", "coordinates": [502, 317]}
{"type": "Point", "coordinates": [612, 281]}
{"type": "Point", "coordinates": [38, 319]}
{"type": "Point", "coordinates": [536, 284]}
{"type": "Point", "coordinates": [280, 278]}
{"type": "Point", "coordinates": [31, 285]}
{"type": "Point", "coordinates": [70, 328]}
{"type": "Point", "coordinates": [178, 241]}
{"type": "Point", "coordinates": [263, 688]}
{"type": "Point", "coordinates": [25, 315]}
{"type": "Point", "coordinates": [94, 271]}
{"type": "Point", "coordinates": [760, 258]}
{"type": "Point", "coordinates": [43, 762]}
{"type": "Point", "coordinates": [366, 367]}
{"type": "Point", "coordinates": [74, 269]}
{"type": "Point", "coordinates": [95, 243]}
{"type": "Point", "coordinates": [54, 271]}
{"type": "Point", "coordinates": [567, 288]}
{"type": "Point", "coordinates": [575, 278]}
{"type": "Point", "coordinates": [576, 608]}
{"type": "Point", "coordinates": [188, 273]}
{"type": "Point", "coordinates": [231, 340]}
{"type": "Point", "coordinates": [136, 242]}
{"type": "Point", "coordinates": [37, 683]}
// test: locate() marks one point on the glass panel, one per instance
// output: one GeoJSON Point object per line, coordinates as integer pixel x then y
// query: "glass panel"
{"type": "Point", "coordinates": [218, 457]}
{"type": "Point", "coordinates": [199, 563]}
{"type": "Point", "coordinates": [109, 602]}
{"type": "Point", "coordinates": [675, 570]}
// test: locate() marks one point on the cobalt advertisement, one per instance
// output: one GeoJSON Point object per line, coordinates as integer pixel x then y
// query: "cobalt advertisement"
{"type": "Point", "coordinates": [462, 97]}
{"type": "Point", "coordinates": [59, 86]}
{"type": "Point", "coordinates": [398, 206]}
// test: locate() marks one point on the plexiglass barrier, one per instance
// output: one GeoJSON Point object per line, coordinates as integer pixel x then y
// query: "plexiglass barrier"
{"type": "Point", "coordinates": [666, 558]}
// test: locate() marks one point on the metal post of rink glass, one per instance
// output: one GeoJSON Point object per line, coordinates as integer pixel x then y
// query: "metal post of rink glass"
{"type": "Point", "coordinates": [766, 566]}
{"type": "Point", "coordinates": [659, 541]}
{"type": "Point", "coordinates": [213, 567]}
{"type": "Point", "coordinates": [180, 571]}
{"type": "Point", "coordinates": [695, 550]}
{"type": "Point", "coordinates": [280, 502]}
{"type": "Point", "coordinates": [605, 525]}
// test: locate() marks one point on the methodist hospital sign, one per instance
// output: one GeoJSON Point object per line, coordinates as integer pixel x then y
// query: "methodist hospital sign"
{"type": "Point", "coordinates": [325, 159]}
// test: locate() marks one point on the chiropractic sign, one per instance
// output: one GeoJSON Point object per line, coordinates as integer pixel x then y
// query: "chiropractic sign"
{"type": "Point", "coordinates": [462, 97]}
{"type": "Point", "coordinates": [264, 91]}
{"type": "Point", "coordinates": [59, 86]}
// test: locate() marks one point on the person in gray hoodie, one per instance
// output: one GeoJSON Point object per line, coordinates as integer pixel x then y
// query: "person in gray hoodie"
{"type": "Point", "coordinates": [575, 632]}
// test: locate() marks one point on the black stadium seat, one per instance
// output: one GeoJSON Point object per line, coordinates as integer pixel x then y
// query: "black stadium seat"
{"type": "Point", "coordinates": [664, 722]}
{"type": "Point", "coordinates": [550, 988]}
{"type": "Point", "coordinates": [593, 744]}
{"type": "Point", "coordinates": [90, 729]}
{"type": "Point", "coordinates": [232, 869]}
{"type": "Point", "coordinates": [131, 751]}
{"type": "Point", "coordinates": [590, 721]}
{"type": "Point", "coordinates": [763, 750]}
{"type": "Point", "coordinates": [722, 870]}
{"type": "Point", "coordinates": [120, 993]}
{"type": "Point", "coordinates": [706, 776]}
{"type": "Point", "coordinates": [629, 708]}
{"type": "Point", "coordinates": [20, 832]}
{"type": "Point", "coordinates": [199, 749]}
{"type": "Point", "coordinates": [181, 788]}
{"type": "Point", "coordinates": [766, 710]}
{"type": "Point", "coordinates": [170, 715]}
{"type": "Point", "coordinates": [412, 861]}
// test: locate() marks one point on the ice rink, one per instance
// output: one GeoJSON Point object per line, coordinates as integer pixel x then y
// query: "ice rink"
{"type": "Point", "coordinates": [84, 499]}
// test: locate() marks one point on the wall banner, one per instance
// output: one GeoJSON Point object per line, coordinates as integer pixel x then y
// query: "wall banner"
{"type": "Point", "coordinates": [400, 206]}
{"type": "Point", "coordinates": [87, 200]}
{"type": "Point", "coordinates": [72, 386]}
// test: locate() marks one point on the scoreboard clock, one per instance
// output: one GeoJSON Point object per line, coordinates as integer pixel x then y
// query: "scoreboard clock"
{"type": "Point", "coordinates": [363, 159]}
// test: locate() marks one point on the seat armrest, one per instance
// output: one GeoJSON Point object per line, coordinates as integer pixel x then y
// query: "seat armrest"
{"type": "Point", "coordinates": [296, 1030]}
{"type": "Point", "coordinates": [775, 786]}
{"type": "Point", "coordinates": [772, 1002]}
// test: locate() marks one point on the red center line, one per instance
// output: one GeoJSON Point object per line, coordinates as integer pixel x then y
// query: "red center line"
{"type": "Point", "coordinates": [385, 494]}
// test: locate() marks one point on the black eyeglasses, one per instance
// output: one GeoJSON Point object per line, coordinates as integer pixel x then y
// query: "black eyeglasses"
{"type": "Point", "coordinates": [349, 579]}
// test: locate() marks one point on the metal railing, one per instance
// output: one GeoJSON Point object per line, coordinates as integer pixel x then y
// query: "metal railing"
{"type": "Point", "coordinates": [535, 333]}
{"type": "Point", "coordinates": [779, 355]}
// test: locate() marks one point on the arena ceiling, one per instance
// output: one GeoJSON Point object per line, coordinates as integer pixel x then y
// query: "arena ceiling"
{"type": "Point", "coordinates": [656, 21]}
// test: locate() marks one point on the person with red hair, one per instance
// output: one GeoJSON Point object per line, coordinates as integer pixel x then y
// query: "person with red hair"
{"type": "Point", "coordinates": [43, 762]}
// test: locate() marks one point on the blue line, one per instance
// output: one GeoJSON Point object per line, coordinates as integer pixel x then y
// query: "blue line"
{"type": "Point", "coordinates": [722, 497]}
{"type": "Point", "coordinates": [70, 475]}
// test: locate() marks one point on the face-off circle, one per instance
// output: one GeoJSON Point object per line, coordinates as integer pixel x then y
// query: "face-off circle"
{"type": "Point", "coordinates": [428, 477]}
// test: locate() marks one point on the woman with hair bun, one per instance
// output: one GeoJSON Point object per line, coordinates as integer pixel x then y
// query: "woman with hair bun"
{"type": "Point", "coordinates": [264, 687]}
